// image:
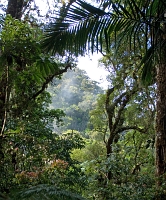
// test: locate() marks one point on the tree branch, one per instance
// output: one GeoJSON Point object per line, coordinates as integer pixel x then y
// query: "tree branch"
{"type": "Point", "coordinates": [121, 129]}
{"type": "Point", "coordinates": [124, 101]}
{"type": "Point", "coordinates": [49, 79]}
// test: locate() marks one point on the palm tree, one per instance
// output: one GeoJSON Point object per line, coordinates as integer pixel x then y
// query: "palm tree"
{"type": "Point", "coordinates": [135, 23]}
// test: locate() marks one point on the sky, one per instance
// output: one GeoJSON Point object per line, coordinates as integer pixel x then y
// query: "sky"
{"type": "Point", "coordinates": [91, 65]}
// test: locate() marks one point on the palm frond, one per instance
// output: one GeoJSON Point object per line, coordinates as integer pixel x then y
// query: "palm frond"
{"type": "Point", "coordinates": [82, 24]}
{"type": "Point", "coordinates": [1, 20]}
{"type": "Point", "coordinates": [4, 197]}
{"type": "Point", "coordinates": [147, 63]}
{"type": "Point", "coordinates": [85, 24]}
{"type": "Point", "coordinates": [85, 27]}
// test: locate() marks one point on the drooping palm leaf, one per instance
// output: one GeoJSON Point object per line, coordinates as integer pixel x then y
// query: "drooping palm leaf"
{"type": "Point", "coordinates": [1, 19]}
{"type": "Point", "coordinates": [74, 33]}
{"type": "Point", "coordinates": [85, 27]}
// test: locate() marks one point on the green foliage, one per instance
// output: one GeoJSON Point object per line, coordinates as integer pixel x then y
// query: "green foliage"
{"type": "Point", "coordinates": [18, 43]}
{"type": "Point", "coordinates": [132, 174]}
{"type": "Point", "coordinates": [75, 94]}
{"type": "Point", "coordinates": [32, 152]}
{"type": "Point", "coordinates": [59, 30]}
{"type": "Point", "coordinates": [138, 24]}
{"type": "Point", "coordinates": [41, 164]}
{"type": "Point", "coordinates": [21, 50]}
{"type": "Point", "coordinates": [98, 116]}
{"type": "Point", "coordinates": [92, 150]}
{"type": "Point", "coordinates": [28, 138]}
{"type": "Point", "coordinates": [35, 155]}
{"type": "Point", "coordinates": [46, 192]}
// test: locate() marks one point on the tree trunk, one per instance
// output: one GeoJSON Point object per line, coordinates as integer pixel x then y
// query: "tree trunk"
{"type": "Point", "coordinates": [161, 122]}
{"type": "Point", "coordinates": [109, 152]}
{"type": "Point", "coordinates": [14, 8]}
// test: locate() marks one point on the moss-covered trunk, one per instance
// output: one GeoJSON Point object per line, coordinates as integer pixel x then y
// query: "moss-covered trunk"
{"type": "Point", "coordinates": [14, 8]}
{"type": "Point", "coordinates": [161, 121]}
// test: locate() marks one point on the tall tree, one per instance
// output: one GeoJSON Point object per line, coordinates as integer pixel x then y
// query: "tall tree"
{"type": "Point", "coordinates": [111, 115]}
{"type": "Point", "coordinates": [25, 69]}
{"type": "Point", "coordinates": [128, 21]}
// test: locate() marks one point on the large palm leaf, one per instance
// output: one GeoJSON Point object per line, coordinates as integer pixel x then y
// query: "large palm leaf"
{"type": "Point", "coordinates": [85, 27]}
{"type": "Point", "coordinates": [82, 25]}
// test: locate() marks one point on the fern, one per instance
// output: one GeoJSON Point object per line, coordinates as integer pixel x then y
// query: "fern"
{"type": "Point", "coordinates": [44, 192]}
{"type": "Point", "coordinates": [3, 197]}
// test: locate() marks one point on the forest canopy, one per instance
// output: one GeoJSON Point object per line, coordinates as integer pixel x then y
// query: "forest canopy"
{"type": "Point", "coordinates": [61, 135]}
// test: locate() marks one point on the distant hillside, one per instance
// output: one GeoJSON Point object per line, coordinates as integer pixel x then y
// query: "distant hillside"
{"type": "Point", "coordinates": [75, 94]}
